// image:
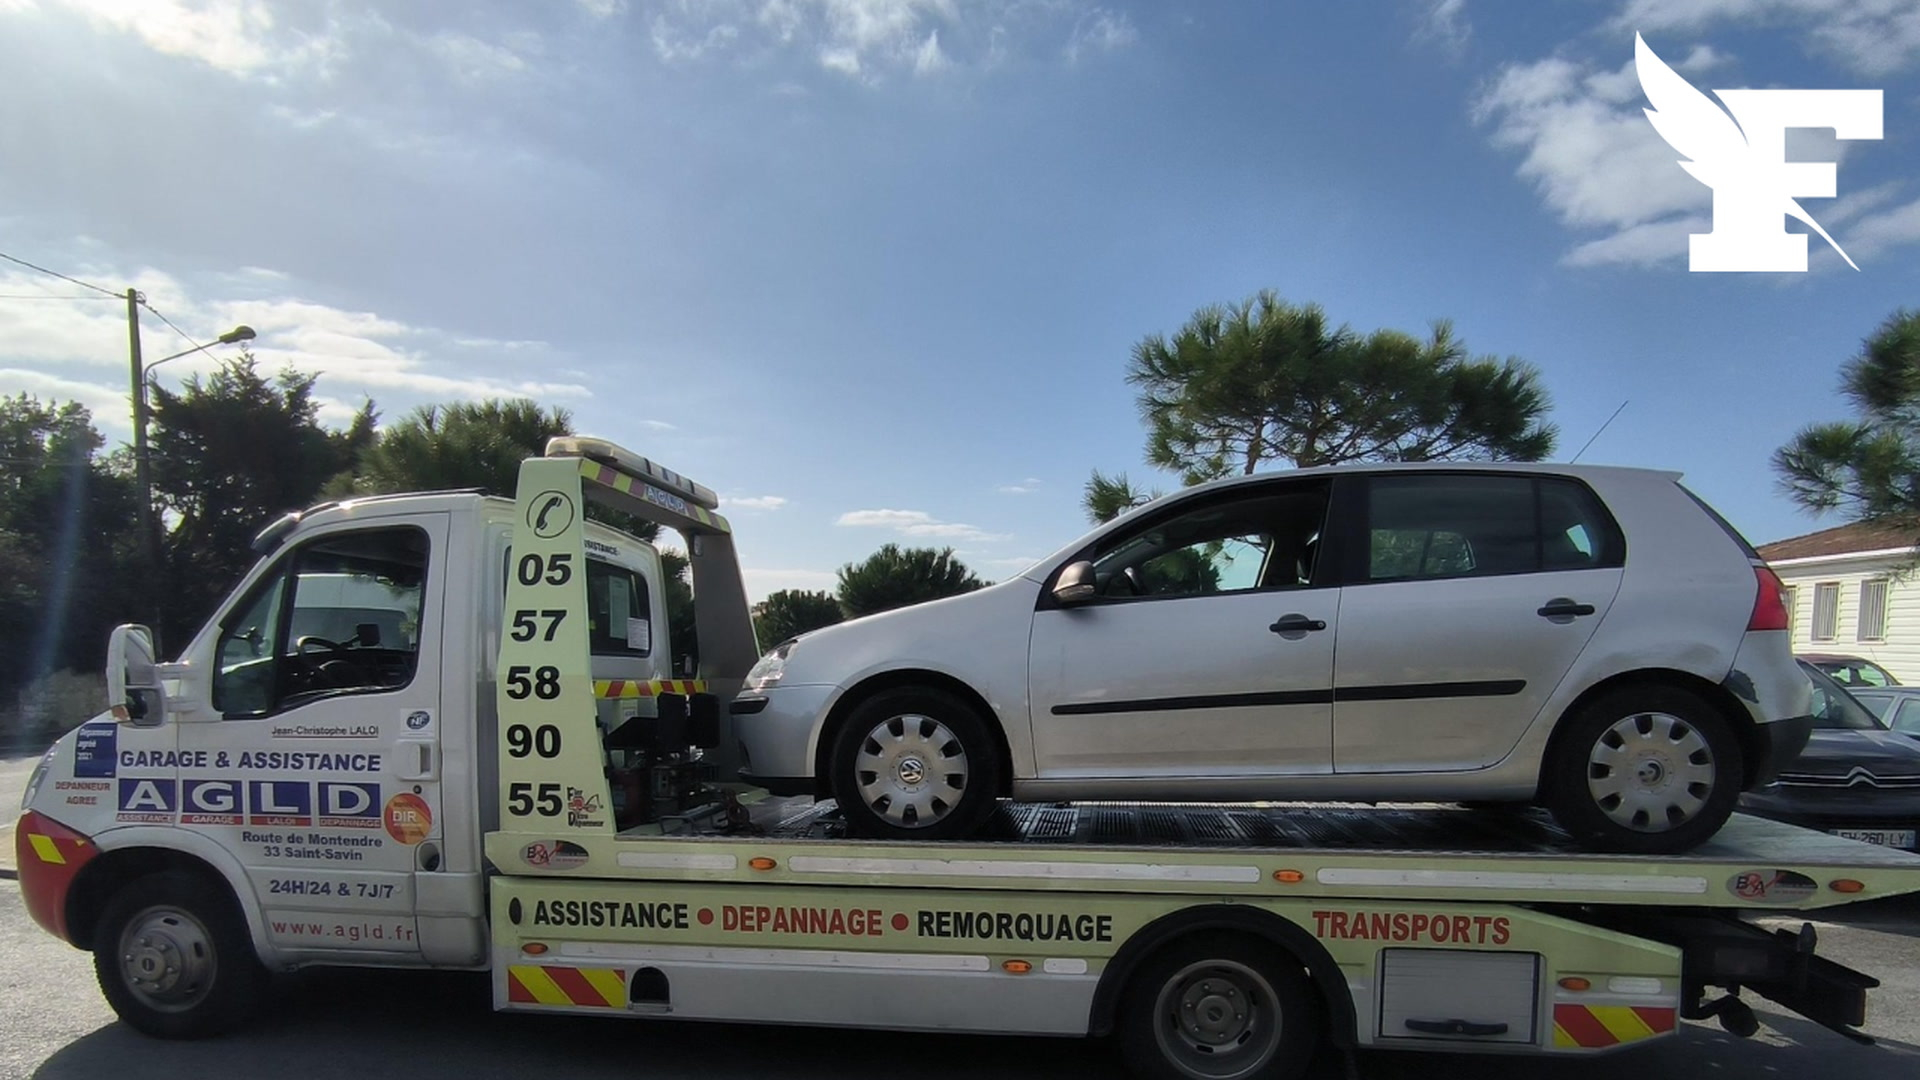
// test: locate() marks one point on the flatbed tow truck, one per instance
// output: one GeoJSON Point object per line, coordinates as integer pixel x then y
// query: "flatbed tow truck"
{"type": "Point", "coordinates": [1213, 941]}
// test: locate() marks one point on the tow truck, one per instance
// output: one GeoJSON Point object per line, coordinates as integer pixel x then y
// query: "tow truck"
{"type": "Point", "coordinates": [442, 730]}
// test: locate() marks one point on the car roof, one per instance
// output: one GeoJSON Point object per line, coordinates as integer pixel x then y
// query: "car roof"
{"type": "Point", "coordinates": [1586, 472]}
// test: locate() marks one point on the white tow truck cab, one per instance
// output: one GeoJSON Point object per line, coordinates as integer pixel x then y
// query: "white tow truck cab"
{"type": "Point", "coordinates": [443, 730]}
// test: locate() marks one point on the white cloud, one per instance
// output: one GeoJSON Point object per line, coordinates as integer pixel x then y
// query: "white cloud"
{"type": "Point", "coordinates": [870, 40]}
{"type": "Point", "coordinates": [1024, 487]}
{"type": "Point", "coordinates": [1100, 30]}
{"type": "Point", "coordinates": [235, 36]}
{"type": "Point", "coordinates": [1647, 244]}
{"type": "Point", "coordinates": [1876, 232]}
{"type": "Point", "coordinates": [1446, 25]}
{"type": "Point", "coordinates": [1855, 203]}
{"type": "Point", "coordinates": [474, 60]}
{"type": "Point", "coordinates": [603, 9]}
{"type": "Point", "coordinates": [112, 411]}
{"type": "Point", "coordinates": [753, 502]}
{"type": "Point", "coordinates": [77, 348]}
{"type": "Point", "coordinates": [917, 524]}
{"type": "Point", "coordinates": [929, 59]}
{"type": "Point", "coordinates": [1873, 37]}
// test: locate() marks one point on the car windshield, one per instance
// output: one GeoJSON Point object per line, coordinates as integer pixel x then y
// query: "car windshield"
{"type": "Point", "coordinates": [1836, 710]}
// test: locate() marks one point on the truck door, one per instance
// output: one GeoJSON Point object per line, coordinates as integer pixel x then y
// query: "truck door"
{"type": "Point", "coordinates": [318, 761]}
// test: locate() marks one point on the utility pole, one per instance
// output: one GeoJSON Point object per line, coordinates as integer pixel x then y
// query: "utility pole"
{"type": "Point", "coordinates": [142, 480]}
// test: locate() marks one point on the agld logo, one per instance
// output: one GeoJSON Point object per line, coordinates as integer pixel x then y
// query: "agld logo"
{"type": "Point", "coordinates": [1741, 153]}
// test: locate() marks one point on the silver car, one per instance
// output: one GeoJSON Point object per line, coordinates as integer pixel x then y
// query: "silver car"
{"type": "Point", "coordinates": [1595, 639]}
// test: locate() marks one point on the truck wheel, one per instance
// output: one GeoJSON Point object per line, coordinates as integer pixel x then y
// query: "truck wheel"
{"type": "Point", "coordinates": [1644, 770]}
{"type": "Point", "coordinates": [1219, 1007]}
{"type": "Point", "coordinates": [914, 764]}
{"type": "Point", "coordinates": [174, 959]}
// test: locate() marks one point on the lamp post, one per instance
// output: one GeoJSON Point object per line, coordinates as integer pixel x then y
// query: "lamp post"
{"type": "Point", "coordinates": [142, 476]}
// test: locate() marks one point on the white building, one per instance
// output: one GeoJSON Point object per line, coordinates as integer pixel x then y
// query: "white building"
{"type": "Point", "coordinates": [1854, 591]}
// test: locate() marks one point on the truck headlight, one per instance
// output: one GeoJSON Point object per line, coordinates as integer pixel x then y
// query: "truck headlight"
{"type": "Point", "coordinates": [39, 774]}
{"type": "Point", "coordinates": [771, 667]}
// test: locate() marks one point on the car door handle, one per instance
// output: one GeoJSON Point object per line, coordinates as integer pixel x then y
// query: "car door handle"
{"type": "Point", "coordinates": [1561, 607]}
{"type": "Point", "coordinates": [1297, 624]}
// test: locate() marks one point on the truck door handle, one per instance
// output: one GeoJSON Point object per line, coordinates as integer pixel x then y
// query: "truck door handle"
{"type": "Point", "coordinates": [1562, 607]}
{"type": "Point", "coordinates": [1456, 1027]}
{"type": "Point", "coordinates": [414, 760]}
{"type": "Point", "coordinates": [1295, 623]}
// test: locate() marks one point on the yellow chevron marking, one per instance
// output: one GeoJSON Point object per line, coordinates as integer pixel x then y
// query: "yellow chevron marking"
{"type": "Point", "coordinates": [540, 985]}
{"type": "Point", "coordinates": [48, 851]}
{"type": "Point", "coordinates": [1562, 1039]}
{"type": "Point", "coordinates": [1625, 1024]}
{"type": "Point", "coordinates": [609, 983]}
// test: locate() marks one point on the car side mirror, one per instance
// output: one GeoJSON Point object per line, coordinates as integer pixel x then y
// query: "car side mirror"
{"type": "Point", "coordinates": [134, 692]}
{"type": "Point", "coordinates": [1076, 584]}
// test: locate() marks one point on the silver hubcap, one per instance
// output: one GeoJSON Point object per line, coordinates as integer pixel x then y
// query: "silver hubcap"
{"type": "Point", "coordinates": [1651, 772]}
{"type": "Point", "coordinates": [167, 959]}
{"type": "Point", "coordinates": [1217, 1020]}
{"type": "Point", "coordinates": [911, 770]}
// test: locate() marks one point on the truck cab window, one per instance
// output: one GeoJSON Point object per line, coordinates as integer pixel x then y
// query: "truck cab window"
{"type": "Point", "coordinates": [619, 615]}
{"type": "Point", "coordinates": [339, 615]}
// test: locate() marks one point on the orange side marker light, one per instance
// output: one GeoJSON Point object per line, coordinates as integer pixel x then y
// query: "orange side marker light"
{"type": "Point", "coordinates": [761, 862]}
{"type": "Point", "coordinates": [1017, 967]}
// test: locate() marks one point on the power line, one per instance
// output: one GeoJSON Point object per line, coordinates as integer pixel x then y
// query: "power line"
{"type": "Point", "coordinates": [56, 296]}
{"type": "Point", "coordinates": [61, 276]}
{"type": "Point", "coordinates": [156, 314]}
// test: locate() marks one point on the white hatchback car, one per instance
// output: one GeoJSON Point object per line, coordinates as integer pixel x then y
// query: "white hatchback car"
{"type": "Point", "coordinates": [1595, 639]}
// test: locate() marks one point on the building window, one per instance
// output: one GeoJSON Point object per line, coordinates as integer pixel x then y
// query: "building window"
{"type": "Point", "coordinates": [1826, 610]}
{"type": "Point", "coordinates": [1873, 610]}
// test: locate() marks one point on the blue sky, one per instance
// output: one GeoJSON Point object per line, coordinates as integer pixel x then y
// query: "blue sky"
{"type": "Point", "coordinates": [872, 268]}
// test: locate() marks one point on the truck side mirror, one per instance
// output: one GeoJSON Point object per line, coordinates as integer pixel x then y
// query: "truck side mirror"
{"type": "Point", "coordinates": [134, 693]}
{"type": "Point", "coordinates": [1076, 584]}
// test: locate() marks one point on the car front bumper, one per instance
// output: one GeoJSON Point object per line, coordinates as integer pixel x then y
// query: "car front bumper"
{"type": "Point", "coordinates": [777, 729]}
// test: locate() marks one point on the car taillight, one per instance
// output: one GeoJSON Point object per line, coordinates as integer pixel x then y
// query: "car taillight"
{"type": "Point", "coordinates": [1770, 604]}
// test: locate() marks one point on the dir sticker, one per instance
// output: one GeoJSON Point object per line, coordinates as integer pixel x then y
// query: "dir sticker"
{"type": "Point", "coordinates": [1778, 886]}
{"type": "Point", "coordinates": [408, 818]}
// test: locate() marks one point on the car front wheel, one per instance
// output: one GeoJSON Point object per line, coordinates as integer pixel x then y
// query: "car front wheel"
{"type": "Point", "coordinates": [1644, 770]}
{"type": "Point", "coordinates": [914, 764]}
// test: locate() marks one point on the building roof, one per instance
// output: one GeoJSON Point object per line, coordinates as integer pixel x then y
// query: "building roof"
{"type": "Point", "coordinates": [1844, 540]}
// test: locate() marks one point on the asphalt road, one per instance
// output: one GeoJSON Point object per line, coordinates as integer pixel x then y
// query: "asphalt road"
{"type": "Point", "coordinates": [55, 1026]}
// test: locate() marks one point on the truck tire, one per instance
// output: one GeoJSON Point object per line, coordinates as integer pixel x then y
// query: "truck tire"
{"type": "Point", "coordinates": [1643, 770]}
{"type": "Point", "coordinates": [914, 763]}
{"type": "Point", "coordinates": [1219, 1006]}
{"type": "Point", "coordinates": [174, 959]}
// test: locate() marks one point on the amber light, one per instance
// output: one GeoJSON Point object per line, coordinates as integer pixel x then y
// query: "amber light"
{"type": "Point", "coordinates": [1575, 983]}
{"type": "Point", "coordinates": [533, 948]}
{"type": "Point", "coordinates": [761, 862]}
{"type": "Point", "coordinates": [1289, 877]}
{"type": "Point", "coordinates": [1847, 885]}
{"type": "Point", "coordinates": [1017, 967]}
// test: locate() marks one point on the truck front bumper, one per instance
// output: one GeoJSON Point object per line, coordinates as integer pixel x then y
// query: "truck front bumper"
{"type": "Point", "coordinates": [50, 856]}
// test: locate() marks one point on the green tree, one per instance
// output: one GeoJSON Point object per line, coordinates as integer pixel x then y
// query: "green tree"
{"type": "Point", "coordinates": [461, 445]}
{"type": "Point", "coordinates": [1868, 468]}
{"type": "Point", "coordinates": [894, 577]}
{"type": "Point", "coordinates": [792, 612]}
{"type": "Point", "coordinates": [230, 454]}
{"type": "Point", "coordinates": [1107, 497]}
{"type": "Point", "coordinates": [1265, 380]}
{"type": "Point", "coordinates": [67, 538]}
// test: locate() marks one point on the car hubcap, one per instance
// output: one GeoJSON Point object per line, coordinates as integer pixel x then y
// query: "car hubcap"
{"type": "Point", "coordinates": [1651, 772]}
{"type": "Point", "coordinates": [1217, 1020]}
{"type": "Point", "coordinates": [911, 770]}
{"type": "Point", "coordinates": [166, 957]}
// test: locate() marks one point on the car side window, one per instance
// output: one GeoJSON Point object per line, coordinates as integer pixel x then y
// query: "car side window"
{"type": "Point", "coordinates": [1424, 526]}
{"type": "Point", "coordinates": [1875, 703]}
{"type": "Point", "coordinates": [341, 614]}
{"type": "Point", "coordinates": [1907, 720]}
{"type": "Point", "coordinates": [1267, 538]}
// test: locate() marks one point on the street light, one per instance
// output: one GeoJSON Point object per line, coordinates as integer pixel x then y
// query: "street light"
{"type": "Point", "coordinates": [149, 528]}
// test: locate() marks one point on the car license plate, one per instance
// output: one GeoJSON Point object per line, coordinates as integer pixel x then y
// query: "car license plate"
{"type": "Point", "coordinates": [1900, 838]}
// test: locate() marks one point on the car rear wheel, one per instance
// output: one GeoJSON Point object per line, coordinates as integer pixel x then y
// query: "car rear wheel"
{"type": "Point", "coordinates": [914, 764]}
{"type": "Point", "coordinates": [1644, 770]}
